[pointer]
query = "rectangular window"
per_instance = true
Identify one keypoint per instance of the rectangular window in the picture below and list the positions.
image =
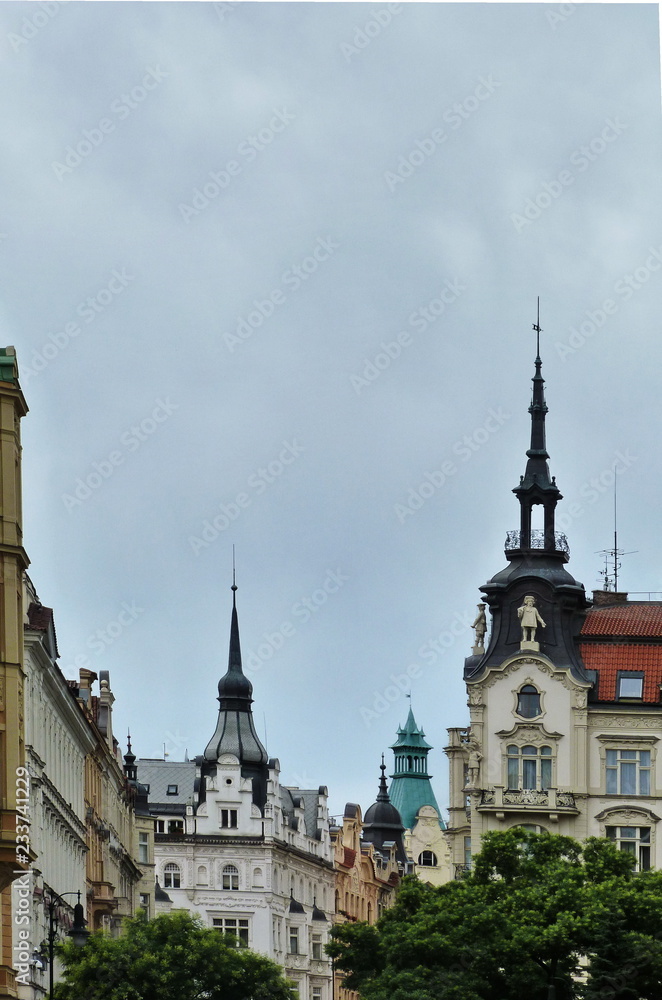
(631, 686)
(628, 772)
(172, 790)
(229, 819)
(233, 925)
(316, 993)
(467, 850)
(144, 903)
(294, 940)
(143, 848)
(317, 947)
(176, 826)
(159, 826)
(634, 840)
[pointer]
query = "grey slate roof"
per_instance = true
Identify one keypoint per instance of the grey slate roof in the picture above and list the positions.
(158, 774)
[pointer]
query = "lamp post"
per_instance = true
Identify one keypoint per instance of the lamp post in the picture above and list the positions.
(78, 933)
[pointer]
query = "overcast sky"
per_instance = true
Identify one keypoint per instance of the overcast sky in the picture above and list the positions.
(268, 269)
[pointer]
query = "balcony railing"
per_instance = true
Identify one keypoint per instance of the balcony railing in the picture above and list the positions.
(550, 800)
(538, 541)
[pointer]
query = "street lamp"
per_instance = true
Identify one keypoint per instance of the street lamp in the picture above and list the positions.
(78, 933)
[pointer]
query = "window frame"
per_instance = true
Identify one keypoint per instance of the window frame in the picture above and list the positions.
(625, 675)
(526, 771)
(617, 766)
(642, 845)
(432, 863)
(241, 927)
(172, 874)
(231, 872)
(533, 691)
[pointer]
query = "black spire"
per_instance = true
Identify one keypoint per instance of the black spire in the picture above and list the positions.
(130, 769)
(382, 822)
(536, 486)
(235, 730)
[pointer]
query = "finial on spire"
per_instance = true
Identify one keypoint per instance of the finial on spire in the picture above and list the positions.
(537, 328)
(128, 740)
(233, 588)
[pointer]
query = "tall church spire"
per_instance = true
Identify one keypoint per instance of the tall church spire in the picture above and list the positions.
(536, 486)
(235, 730)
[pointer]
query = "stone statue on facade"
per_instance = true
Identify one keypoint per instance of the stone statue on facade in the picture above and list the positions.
(480, 626)
(473, 764)
(530, 620)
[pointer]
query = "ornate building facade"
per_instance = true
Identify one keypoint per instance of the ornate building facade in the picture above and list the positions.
(246, 854)
(565, 711)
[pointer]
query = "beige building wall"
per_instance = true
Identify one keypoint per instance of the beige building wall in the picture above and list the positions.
(13, 563)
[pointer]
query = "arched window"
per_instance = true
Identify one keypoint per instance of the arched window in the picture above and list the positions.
(528, 702)
(171, 876)
(202, 875)
(409, 762)
(258, 878)
(230, 877)
(529, 767)
(427, 859)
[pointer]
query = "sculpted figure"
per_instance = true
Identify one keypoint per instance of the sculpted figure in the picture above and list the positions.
(480, 625)
(530, 619)
(473, 766)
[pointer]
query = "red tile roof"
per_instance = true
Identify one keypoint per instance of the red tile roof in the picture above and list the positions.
(609, 658)
(39, 619)
(349, 858)
(625, 619)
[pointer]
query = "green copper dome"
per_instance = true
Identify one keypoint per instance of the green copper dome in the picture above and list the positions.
(410, 784)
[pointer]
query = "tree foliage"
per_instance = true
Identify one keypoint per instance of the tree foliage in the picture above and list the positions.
(540, 917)
(170, 958)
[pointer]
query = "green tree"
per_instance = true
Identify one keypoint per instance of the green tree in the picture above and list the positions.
(170, 958)
(540, 917)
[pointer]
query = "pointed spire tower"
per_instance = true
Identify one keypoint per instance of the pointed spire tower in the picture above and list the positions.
(410, 784)
(536, 574)
(535, 486)
(235, 730)
(382, 822)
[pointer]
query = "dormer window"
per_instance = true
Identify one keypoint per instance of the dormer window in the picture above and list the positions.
(528, 702)
(630, 686)
(172, 790)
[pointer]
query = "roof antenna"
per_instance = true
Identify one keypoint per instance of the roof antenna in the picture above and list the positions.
(613, 554)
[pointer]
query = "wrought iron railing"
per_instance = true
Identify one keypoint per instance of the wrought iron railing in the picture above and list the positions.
(537, 541)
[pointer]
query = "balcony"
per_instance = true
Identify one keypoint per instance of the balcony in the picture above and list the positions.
(551, 802)
(538, 537)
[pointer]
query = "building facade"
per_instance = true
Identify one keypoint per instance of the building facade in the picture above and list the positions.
(246, 854)
(15, 855)
(565, 712)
